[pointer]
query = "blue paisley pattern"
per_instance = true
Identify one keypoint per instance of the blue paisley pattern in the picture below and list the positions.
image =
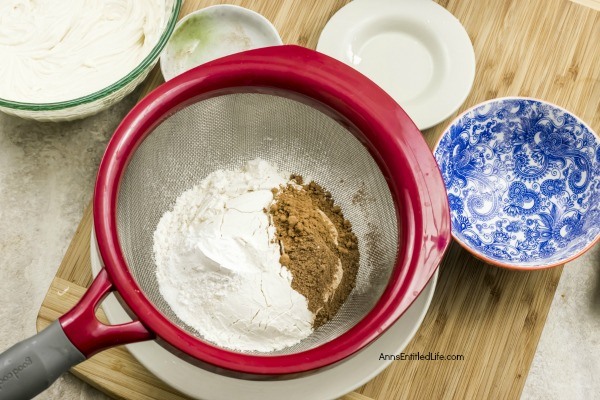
(523, 181)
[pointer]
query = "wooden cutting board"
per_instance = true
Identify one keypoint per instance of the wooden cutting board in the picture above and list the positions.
(541, 48)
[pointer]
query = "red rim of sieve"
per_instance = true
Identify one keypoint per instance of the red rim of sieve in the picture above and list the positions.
(366, 110)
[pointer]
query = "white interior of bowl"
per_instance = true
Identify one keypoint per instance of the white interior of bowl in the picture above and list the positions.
(215, 32)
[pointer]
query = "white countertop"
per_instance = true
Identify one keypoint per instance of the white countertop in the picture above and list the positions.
(47, 173)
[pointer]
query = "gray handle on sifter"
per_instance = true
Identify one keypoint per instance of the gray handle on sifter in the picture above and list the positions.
(31, 366)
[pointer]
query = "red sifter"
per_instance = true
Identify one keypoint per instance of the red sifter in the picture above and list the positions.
(293, 107)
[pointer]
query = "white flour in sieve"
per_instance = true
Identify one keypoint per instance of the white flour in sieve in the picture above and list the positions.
(218, 265)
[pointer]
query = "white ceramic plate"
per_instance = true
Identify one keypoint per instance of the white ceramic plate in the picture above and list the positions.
(215, 32)
(414, 49)
(328, 384)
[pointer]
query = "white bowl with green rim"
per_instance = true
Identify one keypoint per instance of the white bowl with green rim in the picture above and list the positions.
(215, 32)
(93, 103)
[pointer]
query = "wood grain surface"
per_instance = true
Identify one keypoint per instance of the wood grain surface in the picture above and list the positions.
(547, 49)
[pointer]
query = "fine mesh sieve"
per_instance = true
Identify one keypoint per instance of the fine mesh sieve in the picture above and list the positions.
(308, 114)
(225, 132)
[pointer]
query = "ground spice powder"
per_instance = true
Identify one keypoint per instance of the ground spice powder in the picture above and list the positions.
(318, 246)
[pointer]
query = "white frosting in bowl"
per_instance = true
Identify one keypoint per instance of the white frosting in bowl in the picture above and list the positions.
(58, 50)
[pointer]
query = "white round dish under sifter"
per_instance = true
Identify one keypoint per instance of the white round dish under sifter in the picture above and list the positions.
(415, 50)
(326, 384)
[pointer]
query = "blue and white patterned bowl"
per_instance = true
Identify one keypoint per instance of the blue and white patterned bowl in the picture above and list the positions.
(523, 182)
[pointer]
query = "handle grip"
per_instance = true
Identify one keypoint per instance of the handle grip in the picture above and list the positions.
(31, 366)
